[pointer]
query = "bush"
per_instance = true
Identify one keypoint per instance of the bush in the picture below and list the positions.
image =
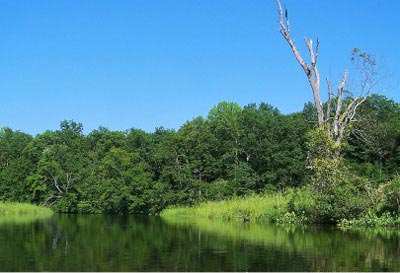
(330, 206)
(390, 200)
(67, 204)
(386, 220)
(302, 202)
(291, 218)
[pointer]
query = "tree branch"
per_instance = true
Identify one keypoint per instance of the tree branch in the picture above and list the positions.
(311, 71)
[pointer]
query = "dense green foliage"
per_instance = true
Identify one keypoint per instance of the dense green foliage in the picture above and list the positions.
(234, 151)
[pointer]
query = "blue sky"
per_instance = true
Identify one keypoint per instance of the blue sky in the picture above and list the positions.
(147, 63)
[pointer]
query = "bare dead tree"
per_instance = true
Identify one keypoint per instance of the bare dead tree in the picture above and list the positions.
(61, 187)
(340, 111)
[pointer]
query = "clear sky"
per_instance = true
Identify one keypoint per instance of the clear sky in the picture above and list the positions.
(148, 63)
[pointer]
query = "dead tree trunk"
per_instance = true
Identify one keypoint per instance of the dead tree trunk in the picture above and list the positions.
(324, 155)
(338, 115)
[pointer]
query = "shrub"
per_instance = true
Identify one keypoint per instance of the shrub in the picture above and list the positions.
(386, 220)
(302, 202)
(390, 199)
(67, 204)
(291, 218)
(339, 202)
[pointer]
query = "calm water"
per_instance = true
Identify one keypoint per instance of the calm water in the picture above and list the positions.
(116, 243)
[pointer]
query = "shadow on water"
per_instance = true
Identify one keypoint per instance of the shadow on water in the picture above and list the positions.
(130, 243)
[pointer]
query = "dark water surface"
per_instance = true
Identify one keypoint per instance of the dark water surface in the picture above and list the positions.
(117, 243)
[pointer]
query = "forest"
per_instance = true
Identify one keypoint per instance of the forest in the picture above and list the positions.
(233, 152)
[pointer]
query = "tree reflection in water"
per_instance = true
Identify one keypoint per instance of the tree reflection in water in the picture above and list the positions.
(117, 243)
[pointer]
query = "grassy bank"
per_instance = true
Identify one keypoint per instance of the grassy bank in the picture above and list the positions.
(266, 208)
(344, 205)
(23, 209)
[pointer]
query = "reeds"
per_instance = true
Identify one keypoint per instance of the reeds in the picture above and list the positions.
(266, 208)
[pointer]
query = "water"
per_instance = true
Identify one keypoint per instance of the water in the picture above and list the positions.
(117, 243)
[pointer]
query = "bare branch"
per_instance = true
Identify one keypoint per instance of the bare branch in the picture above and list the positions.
(363, 136)
(316, 51)
(54, 197)
(338, 122)
(285, 31)
(339, 95)
(311, 51)
(56, 184)
(69, 182)
(328, 107)
(287, 20)
(311, 71)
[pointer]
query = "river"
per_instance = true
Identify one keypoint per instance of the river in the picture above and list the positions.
(132, 243)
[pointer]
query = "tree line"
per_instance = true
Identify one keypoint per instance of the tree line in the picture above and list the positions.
(234, 151)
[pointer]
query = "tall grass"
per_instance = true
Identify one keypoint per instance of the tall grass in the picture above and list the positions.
(266, 208)
(9, 208)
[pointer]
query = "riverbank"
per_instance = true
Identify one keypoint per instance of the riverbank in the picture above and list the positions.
(9, 208)
(260, 209)
(293, 207)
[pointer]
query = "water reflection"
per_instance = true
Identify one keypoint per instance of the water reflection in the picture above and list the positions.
(20, 218)
(116, 243)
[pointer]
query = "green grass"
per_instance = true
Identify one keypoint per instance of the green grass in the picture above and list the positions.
(9, 208)
(266, 208)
